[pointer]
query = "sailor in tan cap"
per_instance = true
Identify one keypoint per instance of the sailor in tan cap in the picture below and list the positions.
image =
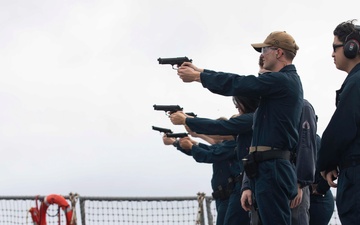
(275, 130)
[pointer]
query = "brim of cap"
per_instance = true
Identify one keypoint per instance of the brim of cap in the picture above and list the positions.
(258, 46)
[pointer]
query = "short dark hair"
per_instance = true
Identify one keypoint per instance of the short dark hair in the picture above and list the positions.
(346, 29)
(250, 104)
(289, 54)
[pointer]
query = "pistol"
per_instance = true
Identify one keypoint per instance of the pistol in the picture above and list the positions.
(162, 130)
(177, 135)
(191, 114)
(172, 109)
(174, 61)
(168, 108)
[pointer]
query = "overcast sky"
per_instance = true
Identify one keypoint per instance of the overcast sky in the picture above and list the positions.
(79, 80)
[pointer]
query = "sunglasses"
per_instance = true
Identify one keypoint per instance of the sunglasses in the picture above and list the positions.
(265, 50)
(337, 46)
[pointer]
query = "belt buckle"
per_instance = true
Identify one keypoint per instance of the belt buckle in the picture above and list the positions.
(260, 148)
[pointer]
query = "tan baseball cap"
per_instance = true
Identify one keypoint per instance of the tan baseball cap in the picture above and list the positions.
(279, 39)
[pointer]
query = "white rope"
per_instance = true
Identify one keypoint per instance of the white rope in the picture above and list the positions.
(200, 198)
(73, 199)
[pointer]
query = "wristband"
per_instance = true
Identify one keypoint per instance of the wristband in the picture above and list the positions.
(175, 144)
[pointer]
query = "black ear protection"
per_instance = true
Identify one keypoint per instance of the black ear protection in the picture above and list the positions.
(352, 46)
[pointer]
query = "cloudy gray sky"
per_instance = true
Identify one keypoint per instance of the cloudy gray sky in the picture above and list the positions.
(79, 79)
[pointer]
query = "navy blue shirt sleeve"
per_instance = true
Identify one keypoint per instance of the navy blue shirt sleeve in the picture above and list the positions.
(341, 138)
(278, 116)
(306, 149)
(215, 153)
(234, 126)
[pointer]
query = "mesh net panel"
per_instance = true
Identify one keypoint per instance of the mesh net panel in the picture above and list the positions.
(139, 211)
(119, 211)
(15, 211)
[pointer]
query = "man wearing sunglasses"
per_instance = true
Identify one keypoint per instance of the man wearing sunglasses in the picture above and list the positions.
(339, 155)
(276, 122)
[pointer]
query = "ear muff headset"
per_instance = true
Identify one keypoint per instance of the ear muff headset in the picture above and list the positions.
(352, 46)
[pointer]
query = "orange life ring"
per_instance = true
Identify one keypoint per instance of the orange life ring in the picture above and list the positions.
(39, 216)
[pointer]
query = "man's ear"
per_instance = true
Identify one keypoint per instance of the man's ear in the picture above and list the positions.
(279, 53)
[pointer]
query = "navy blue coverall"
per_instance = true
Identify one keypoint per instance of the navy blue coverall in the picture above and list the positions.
(322, 201)
(305, 165)
(276, 125)
(305, 162)
(340, 147)
(242, 127)
(223, 159)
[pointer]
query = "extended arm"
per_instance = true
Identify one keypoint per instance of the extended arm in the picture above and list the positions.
(233, 126)
(215, 153)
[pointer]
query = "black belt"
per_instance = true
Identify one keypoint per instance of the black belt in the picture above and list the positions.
(221, 194)
(349, 163)
(225, 192)
(272, 154)
(238, 178)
